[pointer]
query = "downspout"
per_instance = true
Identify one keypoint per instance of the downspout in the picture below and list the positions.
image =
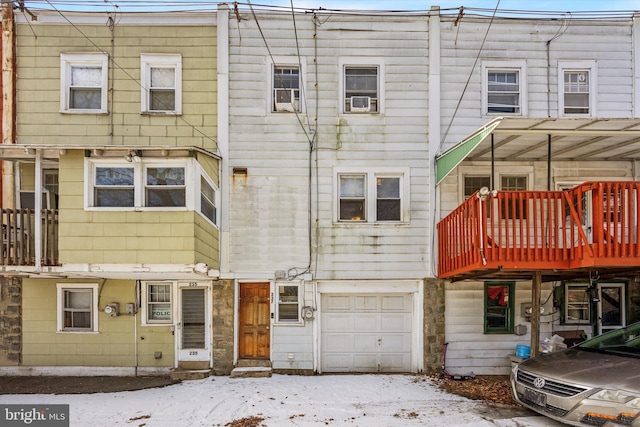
(223, 131)
(37, 204)
(433, 130)
(8, 101)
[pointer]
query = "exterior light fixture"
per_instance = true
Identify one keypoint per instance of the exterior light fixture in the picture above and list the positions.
(132, 156)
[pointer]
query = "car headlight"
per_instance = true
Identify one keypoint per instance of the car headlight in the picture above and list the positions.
(635, 403)
(613, 396)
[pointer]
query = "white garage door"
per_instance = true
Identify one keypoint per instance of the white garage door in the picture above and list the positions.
(366, 333)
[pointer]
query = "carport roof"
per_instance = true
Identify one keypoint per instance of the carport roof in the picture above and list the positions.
(527, 139)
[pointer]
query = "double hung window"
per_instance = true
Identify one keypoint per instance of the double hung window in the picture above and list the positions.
(288, 303)
(286, 88)
(361, 85)
(504, 88)
(150, 184)
(371, 196)
(83, 83)
(161, 84)
(77, 307)
(577, 84)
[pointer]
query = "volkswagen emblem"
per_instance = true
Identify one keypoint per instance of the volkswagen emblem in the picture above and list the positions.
(539, 382)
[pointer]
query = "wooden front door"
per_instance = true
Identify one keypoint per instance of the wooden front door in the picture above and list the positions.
(255, 319)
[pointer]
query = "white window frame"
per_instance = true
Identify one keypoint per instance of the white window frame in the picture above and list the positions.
(139, 182)
(60, 289)
(371, 193)
(277, 302)
(216, 201)
(149, 61)
(69, 60)
(478, 171)
(286, 62)
(585, 302)
(589, 66)
(144, 309)
(357, 62)
(508, 66)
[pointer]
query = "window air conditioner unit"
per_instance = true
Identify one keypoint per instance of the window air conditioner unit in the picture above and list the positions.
(360, 104)
(285, 100)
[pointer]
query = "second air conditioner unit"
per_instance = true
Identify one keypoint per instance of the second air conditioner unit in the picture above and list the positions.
(360, 104)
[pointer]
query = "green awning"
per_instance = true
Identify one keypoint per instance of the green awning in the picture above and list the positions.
(447, 161)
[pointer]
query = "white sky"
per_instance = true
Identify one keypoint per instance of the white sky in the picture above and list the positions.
(538, 5)
(288, 400)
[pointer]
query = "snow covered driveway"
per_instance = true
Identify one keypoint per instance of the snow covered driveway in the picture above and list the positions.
(326, 400)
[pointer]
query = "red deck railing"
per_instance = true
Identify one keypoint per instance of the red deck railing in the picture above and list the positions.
(592, 225)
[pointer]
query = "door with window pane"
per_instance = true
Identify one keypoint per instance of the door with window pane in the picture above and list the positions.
(611, 307)
(194, 324)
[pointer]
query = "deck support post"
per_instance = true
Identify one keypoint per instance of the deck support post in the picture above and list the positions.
(536, 290)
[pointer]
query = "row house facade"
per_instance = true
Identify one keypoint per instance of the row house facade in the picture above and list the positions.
(315, 192)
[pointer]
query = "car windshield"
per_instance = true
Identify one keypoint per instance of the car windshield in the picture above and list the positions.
(621, 341)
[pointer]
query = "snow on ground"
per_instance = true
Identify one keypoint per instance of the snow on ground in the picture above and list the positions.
(283, 400)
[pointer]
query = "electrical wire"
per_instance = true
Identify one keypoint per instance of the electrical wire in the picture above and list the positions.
(114, 62)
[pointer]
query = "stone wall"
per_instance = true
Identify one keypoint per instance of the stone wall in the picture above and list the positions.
(433, 325)
(10, 321)
(223, 292)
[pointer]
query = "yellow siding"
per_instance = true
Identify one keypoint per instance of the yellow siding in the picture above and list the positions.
(167, 237)
(114, 345)
(38, 85)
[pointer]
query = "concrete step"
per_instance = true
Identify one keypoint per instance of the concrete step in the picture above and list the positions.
(180, 374)
(253, 363)
(252, 372)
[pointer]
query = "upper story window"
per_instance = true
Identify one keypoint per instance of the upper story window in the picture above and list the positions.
(373, 196)
(577, 89)
(286, 88)
(161, 84)
(165, 186)
(208, 199)
(150, 184)
(504, 85)
(362, 85)
(83, 83)
(77, 307)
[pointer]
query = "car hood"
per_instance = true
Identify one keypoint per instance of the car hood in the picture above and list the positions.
(588, 368)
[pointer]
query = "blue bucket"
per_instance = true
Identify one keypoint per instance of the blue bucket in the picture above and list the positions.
(523, 351)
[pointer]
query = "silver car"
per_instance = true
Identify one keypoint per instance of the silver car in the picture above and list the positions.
(596, 383)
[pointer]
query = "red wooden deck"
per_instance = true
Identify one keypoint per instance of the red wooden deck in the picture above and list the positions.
(563, 234)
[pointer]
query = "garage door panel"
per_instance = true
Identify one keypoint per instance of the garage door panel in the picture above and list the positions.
(394, 362)
(366, 333)
(395, 322)
(365, 362)
(337, 322)
(366, 302)
(365, 343)
(395, 343)
(364, 322)
(395, 302)
(336, 302)
(338, 343)
(338, 362)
